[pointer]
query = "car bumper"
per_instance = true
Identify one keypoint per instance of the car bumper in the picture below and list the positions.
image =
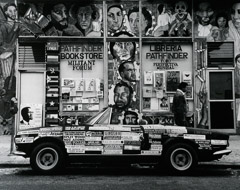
(19, 153)
(222, 152)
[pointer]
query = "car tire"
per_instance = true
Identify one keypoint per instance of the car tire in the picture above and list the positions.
(47, 158)
(180, 158)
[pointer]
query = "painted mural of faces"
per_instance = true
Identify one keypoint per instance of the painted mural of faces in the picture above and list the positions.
(134, 22)
(182, 22)
(11, 12)
(130, 118)
(215, 34)
(237, 61)
(204, 13)
(59, 15)
(122, 96)
(144, 25)
(114, 18)
(146, 21)
(235, 15)
(221, 22)
(123, 50)
(127, 71)
(181, 8)
(84, 17)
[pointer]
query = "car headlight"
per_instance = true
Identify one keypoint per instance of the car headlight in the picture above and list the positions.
(219, 142)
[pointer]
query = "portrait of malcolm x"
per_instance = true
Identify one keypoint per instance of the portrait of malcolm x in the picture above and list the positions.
(26, 114)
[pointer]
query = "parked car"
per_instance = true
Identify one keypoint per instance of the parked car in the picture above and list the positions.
(97, 141)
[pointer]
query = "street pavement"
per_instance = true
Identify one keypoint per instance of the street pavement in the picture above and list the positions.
(11, 160)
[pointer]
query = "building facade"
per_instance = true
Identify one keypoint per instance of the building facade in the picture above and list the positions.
(61, 62)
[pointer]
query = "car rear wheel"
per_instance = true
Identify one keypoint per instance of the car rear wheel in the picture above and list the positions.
(47, 158)
(180, 158)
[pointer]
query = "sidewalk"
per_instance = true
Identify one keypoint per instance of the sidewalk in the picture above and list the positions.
(7, 159)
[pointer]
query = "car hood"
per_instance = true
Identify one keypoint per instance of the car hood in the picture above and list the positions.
(208, 133)
(40, 129)
(191, 133)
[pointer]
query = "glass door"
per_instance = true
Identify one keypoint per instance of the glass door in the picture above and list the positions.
(221, 100)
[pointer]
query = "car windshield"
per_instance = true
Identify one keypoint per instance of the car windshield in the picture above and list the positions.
(94, 118)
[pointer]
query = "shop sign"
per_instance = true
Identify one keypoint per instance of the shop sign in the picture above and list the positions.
(166, 55)
(81, 57)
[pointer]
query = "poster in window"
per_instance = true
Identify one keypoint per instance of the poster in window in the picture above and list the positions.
(189, 92)
(89, 84)
(67, 82)
(164, 104)
(187, 77)
(173, 80)
(147, 91)
(159, 79)
(31, 116)
(65, 93)
(148, 77)
(154, 104)
(146, 103)
(80, 85)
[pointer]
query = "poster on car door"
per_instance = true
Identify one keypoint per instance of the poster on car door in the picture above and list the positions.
(30, 116)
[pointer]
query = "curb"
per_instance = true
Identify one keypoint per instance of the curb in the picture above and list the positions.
(13, 165)
(221, 164)
(235, 165)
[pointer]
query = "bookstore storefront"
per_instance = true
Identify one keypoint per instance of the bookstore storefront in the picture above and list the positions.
(73, 59)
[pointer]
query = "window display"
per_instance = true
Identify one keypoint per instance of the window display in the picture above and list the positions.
(166, 65)
(81, 78)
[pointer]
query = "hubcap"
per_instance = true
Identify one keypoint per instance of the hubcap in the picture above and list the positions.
(181, 159)
(47, 158)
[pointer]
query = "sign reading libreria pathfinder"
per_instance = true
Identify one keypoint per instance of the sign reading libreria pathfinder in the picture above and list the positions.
(81, 57)
(167, 56)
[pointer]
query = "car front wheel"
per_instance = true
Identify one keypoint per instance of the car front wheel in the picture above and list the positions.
(180, 158)
(47, 158)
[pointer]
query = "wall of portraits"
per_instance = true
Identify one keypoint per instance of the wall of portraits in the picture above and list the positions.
(123, 76)
(62, 19)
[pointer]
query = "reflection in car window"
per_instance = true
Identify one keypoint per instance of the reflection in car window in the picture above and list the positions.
(93, 119)
(105, 119)
(102, 117)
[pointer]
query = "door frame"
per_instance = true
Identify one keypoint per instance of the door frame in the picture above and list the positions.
(19, 82)
(232, 131)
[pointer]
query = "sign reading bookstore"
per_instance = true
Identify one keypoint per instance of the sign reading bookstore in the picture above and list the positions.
(81, 56)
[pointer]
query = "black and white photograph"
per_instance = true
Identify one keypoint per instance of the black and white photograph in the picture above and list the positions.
(120, 94)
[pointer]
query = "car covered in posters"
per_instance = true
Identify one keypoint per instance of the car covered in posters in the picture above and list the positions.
(98, 141)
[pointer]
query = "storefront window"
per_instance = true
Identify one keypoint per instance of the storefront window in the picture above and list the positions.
(165, 66)
(81, 75)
